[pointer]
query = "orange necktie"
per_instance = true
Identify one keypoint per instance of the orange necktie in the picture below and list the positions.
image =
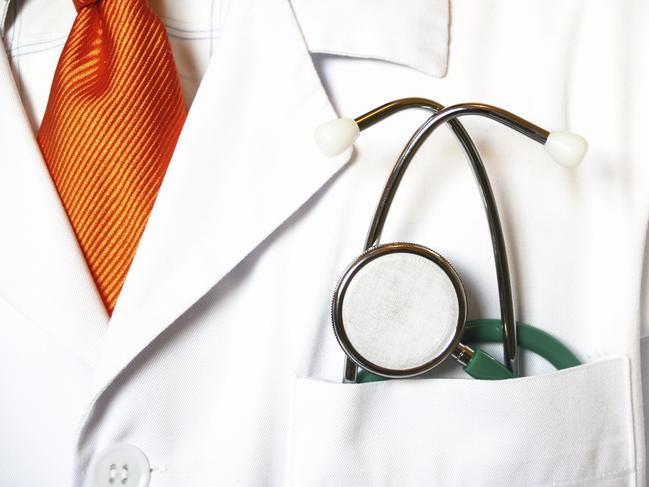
(112, 121)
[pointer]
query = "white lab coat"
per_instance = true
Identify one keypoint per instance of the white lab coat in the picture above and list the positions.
(219, 362)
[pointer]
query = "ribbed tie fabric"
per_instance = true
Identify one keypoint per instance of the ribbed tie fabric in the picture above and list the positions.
(112, 121)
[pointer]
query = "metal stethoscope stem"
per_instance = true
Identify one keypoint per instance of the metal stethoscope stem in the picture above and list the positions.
(449, 115)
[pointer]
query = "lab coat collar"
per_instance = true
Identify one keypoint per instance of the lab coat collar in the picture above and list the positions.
(245, 161)
(414, 33)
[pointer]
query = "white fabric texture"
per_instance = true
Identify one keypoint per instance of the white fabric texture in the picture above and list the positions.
(582, 413)
(400, 311)
(228, 299)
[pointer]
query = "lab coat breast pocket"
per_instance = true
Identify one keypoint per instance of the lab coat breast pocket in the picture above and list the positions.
(568, 428)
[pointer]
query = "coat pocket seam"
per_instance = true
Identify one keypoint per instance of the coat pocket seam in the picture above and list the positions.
(606, 475)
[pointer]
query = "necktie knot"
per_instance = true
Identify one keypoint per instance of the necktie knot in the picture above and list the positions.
(79, 4)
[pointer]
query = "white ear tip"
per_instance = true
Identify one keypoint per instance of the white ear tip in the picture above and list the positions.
(567, 149)
(335, 136)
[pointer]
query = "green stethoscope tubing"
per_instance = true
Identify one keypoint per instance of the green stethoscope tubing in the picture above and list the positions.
(484, 366)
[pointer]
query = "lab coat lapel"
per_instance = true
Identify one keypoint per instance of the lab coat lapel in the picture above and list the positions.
(246, 160)
(43, 274)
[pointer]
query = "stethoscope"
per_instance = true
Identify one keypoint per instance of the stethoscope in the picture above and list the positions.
(399, 309)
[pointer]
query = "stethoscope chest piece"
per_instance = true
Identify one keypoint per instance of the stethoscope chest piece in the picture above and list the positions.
(399, 310)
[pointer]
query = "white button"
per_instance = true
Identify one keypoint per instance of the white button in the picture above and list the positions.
(120, 465)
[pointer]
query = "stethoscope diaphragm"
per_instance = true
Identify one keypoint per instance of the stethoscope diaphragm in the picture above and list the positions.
(399, 310)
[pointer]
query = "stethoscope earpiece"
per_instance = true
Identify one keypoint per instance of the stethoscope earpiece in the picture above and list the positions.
(567, 149)
(336, 135)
